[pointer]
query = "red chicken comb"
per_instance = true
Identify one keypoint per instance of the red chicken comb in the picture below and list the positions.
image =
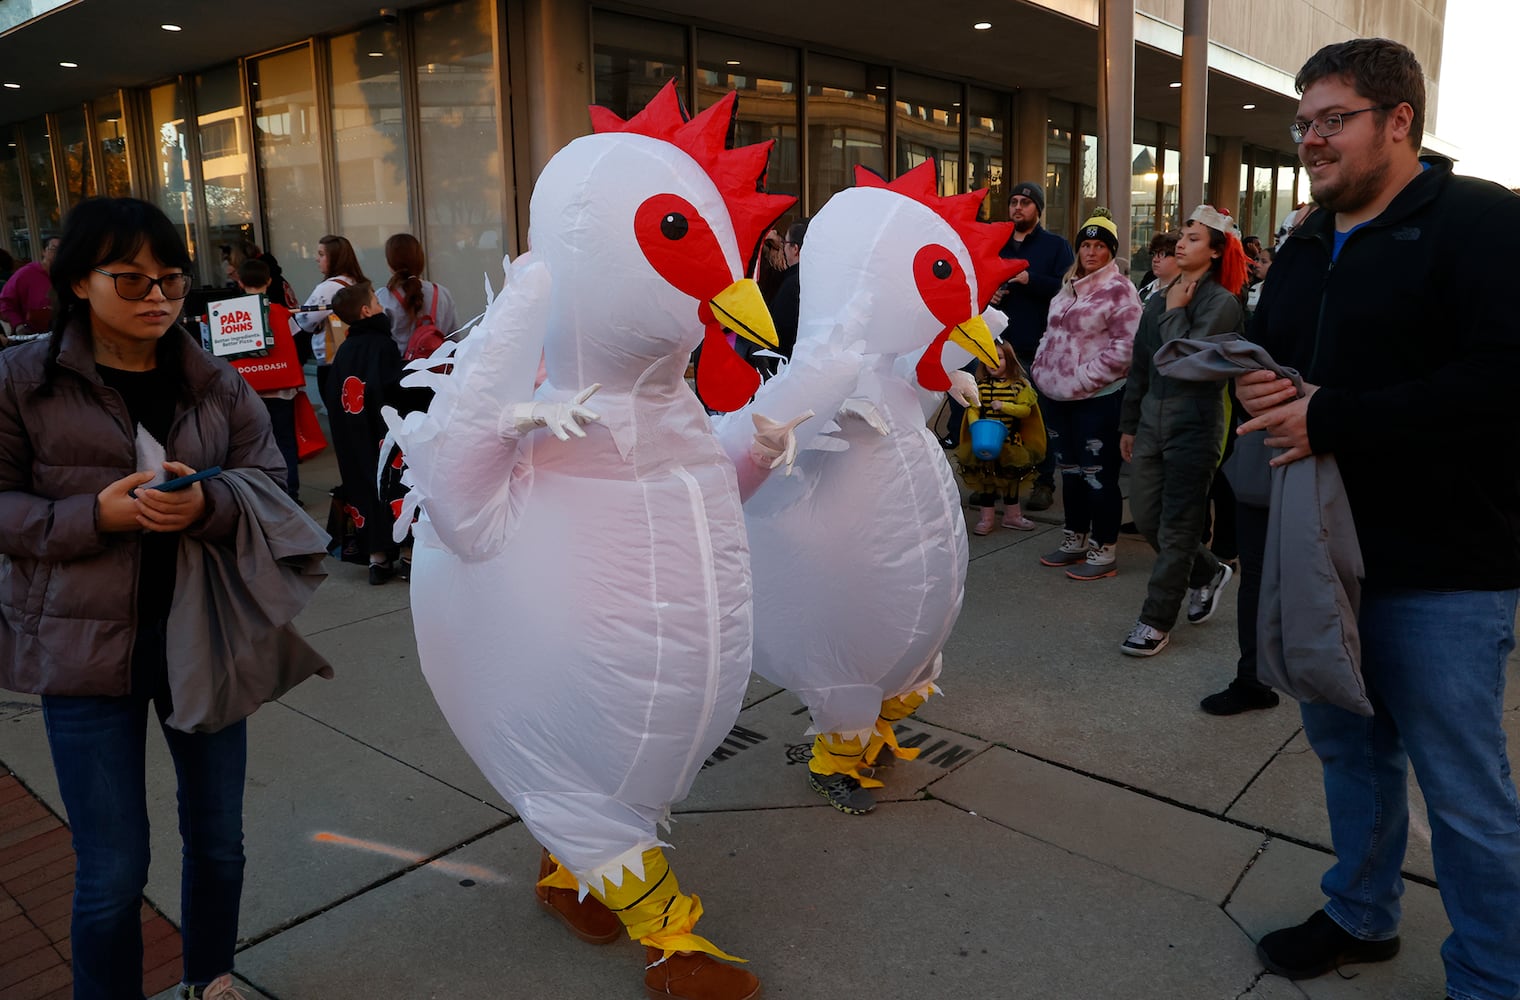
(983, 239)
(738, 173)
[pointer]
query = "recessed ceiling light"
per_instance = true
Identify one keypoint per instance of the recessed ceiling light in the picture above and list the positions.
(171, 27)
(113, 120)
(879, 86)
(955, 104)
(733, 62)
(376, 55)
(1248, 107)
(69, 65)
(1175, 84)
(982, 25)
(13, 86)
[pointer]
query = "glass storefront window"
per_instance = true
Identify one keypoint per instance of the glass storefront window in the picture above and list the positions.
(1171, 166)
(171, 164)
(1060, 179)
(1286, 176)
(847, 124)
(986, 133)
(39, 162)
(1090, 166)
(369, 141)
(74, 140)
(460, 152)
(1145, 173)
(12, 202)
(765, 76)
(290, 161)
(634, 57)
(226, 163)
(1242, 210)
(1262, 222)
(111, 131)
(929, 127)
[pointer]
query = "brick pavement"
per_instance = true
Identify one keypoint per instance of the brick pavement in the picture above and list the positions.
(36, 892)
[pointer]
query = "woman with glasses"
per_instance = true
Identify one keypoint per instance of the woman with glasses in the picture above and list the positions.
(117, 397)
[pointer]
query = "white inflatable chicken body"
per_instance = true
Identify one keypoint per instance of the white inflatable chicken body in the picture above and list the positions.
(859, 557)
(582, 595)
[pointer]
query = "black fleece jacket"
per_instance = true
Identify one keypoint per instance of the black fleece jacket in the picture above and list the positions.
(1027, 306)
(1415, 345)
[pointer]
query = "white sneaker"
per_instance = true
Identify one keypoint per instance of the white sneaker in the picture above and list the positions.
(1204, 601)
(1072, 551)
(1143, 641)
(1101, 561)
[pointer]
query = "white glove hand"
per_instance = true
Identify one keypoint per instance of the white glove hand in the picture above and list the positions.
(562, 419)
(776, 443)
(963, 388)
(864, 409)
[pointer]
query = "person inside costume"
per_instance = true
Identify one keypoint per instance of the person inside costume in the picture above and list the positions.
(127, 579)
(855, 620)
(1172, 431)
(583, 603)
(1005, 396)
(366, 368)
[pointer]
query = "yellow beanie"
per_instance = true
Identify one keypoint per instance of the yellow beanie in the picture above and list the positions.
(1100, 227)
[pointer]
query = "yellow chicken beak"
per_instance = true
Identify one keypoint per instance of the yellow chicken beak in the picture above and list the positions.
(740, 308)
(974, 336)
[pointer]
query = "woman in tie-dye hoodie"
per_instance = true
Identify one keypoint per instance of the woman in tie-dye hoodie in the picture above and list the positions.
(1080, 369)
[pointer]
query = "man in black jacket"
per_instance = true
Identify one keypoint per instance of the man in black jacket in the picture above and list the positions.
(1390, 301)
(1025, 299)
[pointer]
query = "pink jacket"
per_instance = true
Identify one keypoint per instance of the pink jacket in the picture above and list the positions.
(1090, 337)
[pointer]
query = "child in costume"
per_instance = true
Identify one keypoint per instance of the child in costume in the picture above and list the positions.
(365, 368)
(1007, 397)
(1172, 432)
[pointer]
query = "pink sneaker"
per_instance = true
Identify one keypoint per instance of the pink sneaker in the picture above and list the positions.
(987, 521)
(1014, 518)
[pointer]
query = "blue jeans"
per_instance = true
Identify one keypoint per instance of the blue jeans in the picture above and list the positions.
(1434, 663)
(98, 747)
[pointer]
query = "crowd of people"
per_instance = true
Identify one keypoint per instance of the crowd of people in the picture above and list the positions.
(1345, 373)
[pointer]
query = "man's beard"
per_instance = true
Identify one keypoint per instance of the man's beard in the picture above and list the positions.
(1355, 189)
(1025, 228)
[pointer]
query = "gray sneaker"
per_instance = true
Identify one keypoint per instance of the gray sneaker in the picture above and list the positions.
(843, 792)
(1204, 601)
(1143, 641)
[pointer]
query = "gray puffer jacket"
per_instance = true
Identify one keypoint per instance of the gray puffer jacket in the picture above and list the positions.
(68, 592)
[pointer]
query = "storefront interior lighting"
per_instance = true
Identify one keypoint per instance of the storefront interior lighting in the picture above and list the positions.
(376, 55)
(732, 62)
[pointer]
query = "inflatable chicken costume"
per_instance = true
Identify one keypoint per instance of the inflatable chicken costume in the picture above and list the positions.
(859, 557)
(581, 581)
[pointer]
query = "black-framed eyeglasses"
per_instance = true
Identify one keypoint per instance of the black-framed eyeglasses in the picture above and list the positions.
(134, 287)
(1327, 125)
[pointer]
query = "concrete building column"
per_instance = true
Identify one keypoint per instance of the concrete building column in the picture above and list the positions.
(1195, 100)
(558, 51)
(1116, 114)
(1224, 183)
(1031, 134)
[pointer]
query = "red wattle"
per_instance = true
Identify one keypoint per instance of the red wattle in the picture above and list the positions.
(931, 370)
(724, 381)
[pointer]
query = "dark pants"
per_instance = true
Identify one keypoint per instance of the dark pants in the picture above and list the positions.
(99, 756)
(1251, 535)
(1171, 470)
(282, 418)
(1045, 472)
(1084, 436)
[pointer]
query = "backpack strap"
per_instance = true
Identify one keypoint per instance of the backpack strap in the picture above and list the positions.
(432, 313)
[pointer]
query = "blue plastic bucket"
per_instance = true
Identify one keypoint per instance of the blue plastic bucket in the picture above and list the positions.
(987, 437)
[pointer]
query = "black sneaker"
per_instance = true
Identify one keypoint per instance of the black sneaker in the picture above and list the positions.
(1143, 641)
(1204, 601)
(1317, 946)
(379, 573)
(843, 792)
(1239, 698)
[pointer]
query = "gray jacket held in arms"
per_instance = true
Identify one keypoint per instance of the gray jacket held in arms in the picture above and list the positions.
(68, 591)
(1307, 642)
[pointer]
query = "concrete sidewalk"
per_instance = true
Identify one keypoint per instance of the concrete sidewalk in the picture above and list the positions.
(1075, 827)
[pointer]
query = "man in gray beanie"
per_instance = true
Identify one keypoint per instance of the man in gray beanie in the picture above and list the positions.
(1025, 299)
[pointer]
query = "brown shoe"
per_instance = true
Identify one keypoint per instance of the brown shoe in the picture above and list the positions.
(697, 976)
(587, 918)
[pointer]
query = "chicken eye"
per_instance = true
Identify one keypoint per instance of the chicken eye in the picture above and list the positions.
(674, 226)
(942, 269)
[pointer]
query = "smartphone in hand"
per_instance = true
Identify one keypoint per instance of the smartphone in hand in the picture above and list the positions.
(183, 481)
